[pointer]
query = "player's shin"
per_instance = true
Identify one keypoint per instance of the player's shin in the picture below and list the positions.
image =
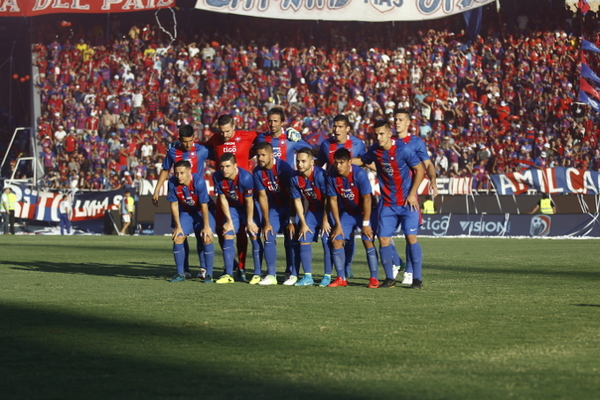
(373, 262)
(306, 257)
(416, 256)
(271, 254)
(387, 255)
(228, 255)
(179, 255)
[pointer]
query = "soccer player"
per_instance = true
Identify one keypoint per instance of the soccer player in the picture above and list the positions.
(285, 142)
(309, 183)
(399, 204)
(234, 188)
(271, 181)
(350, 200)
(402, 123)
(341, 138)
(189, 208)
(196, 154)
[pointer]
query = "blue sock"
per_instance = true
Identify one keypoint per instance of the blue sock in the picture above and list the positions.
(416, 255)
(228, 255)
(373, 262)
(186, 261)
(327, 256)
(257, 253)
(409, 263)
(306, 257)
(387, 255)
(397, 261)
(271, 254)
(339, 260)
(208, 260)
(349, 250)
(179, 254)
(292, 257)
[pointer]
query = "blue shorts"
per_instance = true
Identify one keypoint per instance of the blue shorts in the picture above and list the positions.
(351, 223)
(278, 217)
(313, 220)
(195, 222)
(391, 217)
(239, 219)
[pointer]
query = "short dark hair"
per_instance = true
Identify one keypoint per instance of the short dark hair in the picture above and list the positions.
(403, 111)
(277, 111)
(342, 154)
(342, 118)
(306, 150)
(225, 119)
(182, 163)
(382, 122)
(264, 146)
(227, 157)
(186, 131)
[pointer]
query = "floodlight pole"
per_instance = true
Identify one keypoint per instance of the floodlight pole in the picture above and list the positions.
(9, 146)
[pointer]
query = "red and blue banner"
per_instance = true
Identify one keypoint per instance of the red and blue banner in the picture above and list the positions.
(30, 8)
(559, 180)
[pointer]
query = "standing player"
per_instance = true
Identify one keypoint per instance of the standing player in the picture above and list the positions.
(417, 145)
(196, 154)
(65, 214)
(350, 199)
(189, 208)
(234, 187)
(309, 183)
(285, 142)
(341, 138)
(271, 177)
(399, 203)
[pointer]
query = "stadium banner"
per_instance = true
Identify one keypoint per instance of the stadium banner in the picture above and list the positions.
(31, 8)
(559, 180)
(343, 10)
(43, 205)
(509, 225)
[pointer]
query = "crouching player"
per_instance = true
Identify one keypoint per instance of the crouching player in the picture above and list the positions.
(234, 187)
(350, 201)
(189, 207)
(309, 183)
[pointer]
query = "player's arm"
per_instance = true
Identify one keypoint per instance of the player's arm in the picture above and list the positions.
(263, 201)
(413, 200)
(207, 233)
(228, 225)
(367, 230)
(250, 224)
(431, 174)
(304, 229)
(176, 221)
(335, 212)
(358, 161)
(162, 177)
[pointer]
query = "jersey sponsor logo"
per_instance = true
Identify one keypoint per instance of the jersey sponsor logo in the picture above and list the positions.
(230, 149)
(233, 195)
(277, 152)
(347, 194)
(273, 186)
(387, 168)
(309, 193)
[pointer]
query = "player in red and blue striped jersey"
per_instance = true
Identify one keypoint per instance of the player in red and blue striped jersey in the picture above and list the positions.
(341, 138)
(416, 144)
(400, 173)
(271, 182)
(351, 202)
(309, 183)
(196, 154)
(234, 187)
(189, 208)
(285, 142)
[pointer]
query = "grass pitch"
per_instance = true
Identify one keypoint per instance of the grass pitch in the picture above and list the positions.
(94, 317)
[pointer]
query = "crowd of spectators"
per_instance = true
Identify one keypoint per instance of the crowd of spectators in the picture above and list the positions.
(496, 104)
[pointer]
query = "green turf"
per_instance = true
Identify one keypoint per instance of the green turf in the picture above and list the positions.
(93, 317)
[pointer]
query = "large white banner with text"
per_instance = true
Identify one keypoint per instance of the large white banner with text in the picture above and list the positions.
(343, 10)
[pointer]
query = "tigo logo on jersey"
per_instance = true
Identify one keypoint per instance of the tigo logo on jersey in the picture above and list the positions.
(540, 225)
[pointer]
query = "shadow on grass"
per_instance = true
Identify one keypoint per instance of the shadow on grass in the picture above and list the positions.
(49, 354)
(139, 270)
(558, 272)
(587, 305)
